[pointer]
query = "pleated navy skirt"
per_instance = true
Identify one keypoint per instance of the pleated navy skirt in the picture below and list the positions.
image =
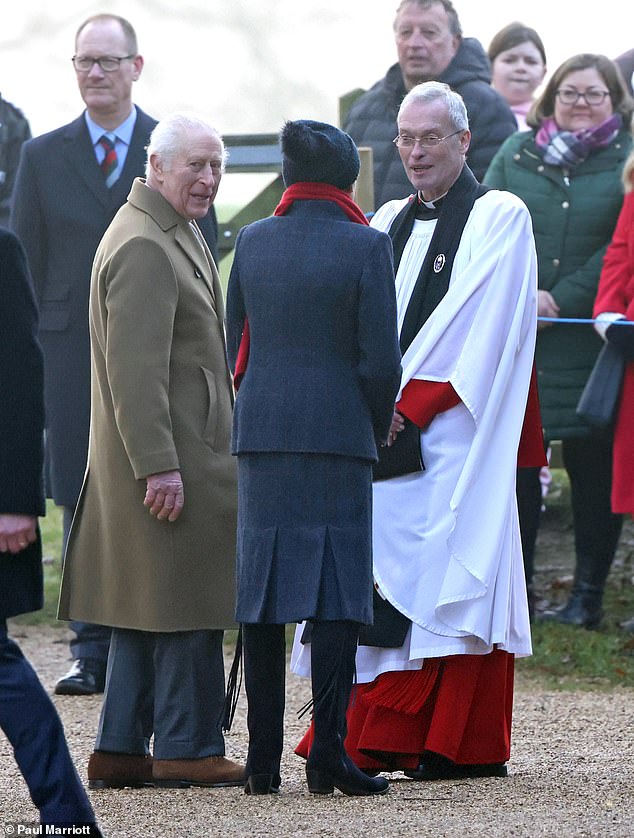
(304, 538)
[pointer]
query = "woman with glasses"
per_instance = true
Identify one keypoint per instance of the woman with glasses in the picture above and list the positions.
(567, 170)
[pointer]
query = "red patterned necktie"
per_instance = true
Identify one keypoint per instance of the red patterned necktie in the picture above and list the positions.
(109, 164)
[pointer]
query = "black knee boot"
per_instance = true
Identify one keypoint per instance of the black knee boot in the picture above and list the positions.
(597, 529)
(333, 650)
(584, 606)
(264, 678)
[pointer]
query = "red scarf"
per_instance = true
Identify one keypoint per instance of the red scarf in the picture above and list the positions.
(309, 191)
(320, 192)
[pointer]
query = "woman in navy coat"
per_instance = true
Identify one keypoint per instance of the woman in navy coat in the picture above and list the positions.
(37, 736)
(317, 293)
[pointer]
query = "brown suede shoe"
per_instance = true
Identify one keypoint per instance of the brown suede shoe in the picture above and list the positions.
(118, 771)
(212, 772)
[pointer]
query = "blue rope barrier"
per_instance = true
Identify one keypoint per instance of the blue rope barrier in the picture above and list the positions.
(583, 320)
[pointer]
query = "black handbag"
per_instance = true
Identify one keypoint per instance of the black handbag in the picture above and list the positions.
(600, 397)
(389, 628)
(388, 631)
(402, 457)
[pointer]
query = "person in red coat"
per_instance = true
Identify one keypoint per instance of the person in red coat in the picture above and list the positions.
(615, 301)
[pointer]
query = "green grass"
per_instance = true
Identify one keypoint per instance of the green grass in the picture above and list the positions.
(563, 657)
(51, 528)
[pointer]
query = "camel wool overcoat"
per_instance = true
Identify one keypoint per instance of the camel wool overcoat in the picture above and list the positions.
(161, 400)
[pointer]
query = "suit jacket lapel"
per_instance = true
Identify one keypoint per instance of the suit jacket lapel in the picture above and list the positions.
(134, 165)
(80, 157)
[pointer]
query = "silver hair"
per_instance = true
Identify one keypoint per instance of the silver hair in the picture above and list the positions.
(429, 91)
(166, 140)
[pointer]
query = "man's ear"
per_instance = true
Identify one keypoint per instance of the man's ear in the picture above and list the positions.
(156, 166)
(138, 67)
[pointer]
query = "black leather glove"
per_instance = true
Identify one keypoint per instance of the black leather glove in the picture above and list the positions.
(623, 338)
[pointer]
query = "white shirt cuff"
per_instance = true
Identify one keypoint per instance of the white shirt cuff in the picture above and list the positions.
(605, 319)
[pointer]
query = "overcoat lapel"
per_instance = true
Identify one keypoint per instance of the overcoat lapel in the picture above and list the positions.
(193, 244)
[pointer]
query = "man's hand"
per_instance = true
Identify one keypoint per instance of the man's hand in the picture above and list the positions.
(164, 495)
(546, 307)
(17, 532)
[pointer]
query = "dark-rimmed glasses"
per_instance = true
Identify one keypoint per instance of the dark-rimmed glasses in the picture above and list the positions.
(107, 63)
(570, 96)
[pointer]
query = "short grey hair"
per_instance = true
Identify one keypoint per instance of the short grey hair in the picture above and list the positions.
(166, 140)
(429, 91)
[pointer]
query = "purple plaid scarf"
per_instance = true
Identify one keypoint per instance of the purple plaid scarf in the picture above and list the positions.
(568, 149)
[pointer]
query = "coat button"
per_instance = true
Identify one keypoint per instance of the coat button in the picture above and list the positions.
(556, 262)
(540, 168)
(516, 156)
(565, 205)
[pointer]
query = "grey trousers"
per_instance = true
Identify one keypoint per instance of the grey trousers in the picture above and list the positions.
(169, 685)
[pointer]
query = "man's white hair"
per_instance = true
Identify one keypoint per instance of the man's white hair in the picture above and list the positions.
(429, 91)
(169, 135)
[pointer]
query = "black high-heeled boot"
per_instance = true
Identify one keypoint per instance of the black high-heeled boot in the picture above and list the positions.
(333, 650)
(264, 678)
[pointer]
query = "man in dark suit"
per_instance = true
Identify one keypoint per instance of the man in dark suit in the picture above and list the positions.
(37, 736)
(70, 184)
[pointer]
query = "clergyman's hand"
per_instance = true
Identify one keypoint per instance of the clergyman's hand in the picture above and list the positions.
(164, 496)
(398, 423)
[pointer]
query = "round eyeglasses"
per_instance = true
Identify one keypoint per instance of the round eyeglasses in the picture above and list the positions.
(107, 63)
(569, 96)
(429, 141)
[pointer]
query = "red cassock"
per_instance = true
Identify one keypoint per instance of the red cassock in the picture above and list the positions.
(459, 706)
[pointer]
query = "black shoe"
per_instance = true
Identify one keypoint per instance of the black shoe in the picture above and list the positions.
(87, 676)
(262, 784)
(578, 611)
(343, 775)
(437, 767)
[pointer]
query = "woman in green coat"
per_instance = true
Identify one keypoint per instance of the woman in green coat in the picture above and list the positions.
(567, 170)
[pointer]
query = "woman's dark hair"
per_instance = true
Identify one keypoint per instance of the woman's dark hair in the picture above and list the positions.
(621, 100)
(512, 36)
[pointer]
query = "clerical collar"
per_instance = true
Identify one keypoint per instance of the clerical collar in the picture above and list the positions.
(428, 210)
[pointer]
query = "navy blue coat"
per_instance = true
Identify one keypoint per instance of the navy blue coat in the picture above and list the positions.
(324, 366)
(61, 209)
(21, 426)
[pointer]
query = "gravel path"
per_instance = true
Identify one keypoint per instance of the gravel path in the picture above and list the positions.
(571, 774)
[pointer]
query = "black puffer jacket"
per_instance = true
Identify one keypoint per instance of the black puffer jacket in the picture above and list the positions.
(372, 119)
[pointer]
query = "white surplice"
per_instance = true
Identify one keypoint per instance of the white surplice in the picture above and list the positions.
(446, 542)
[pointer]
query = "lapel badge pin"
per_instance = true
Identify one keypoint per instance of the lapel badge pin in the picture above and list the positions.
(439, 263)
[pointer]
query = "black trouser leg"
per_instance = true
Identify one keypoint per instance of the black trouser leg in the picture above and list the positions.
(529, 504)
(264, 677)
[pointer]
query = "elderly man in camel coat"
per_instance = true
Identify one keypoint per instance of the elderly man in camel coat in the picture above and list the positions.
(151, 549)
